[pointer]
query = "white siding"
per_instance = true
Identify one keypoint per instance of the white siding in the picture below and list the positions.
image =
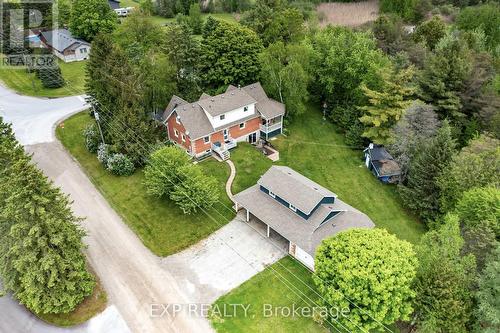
(304, 257)
(231, 116)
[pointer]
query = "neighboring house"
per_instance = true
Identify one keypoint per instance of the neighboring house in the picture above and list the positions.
(300, 210)
(119, 10)
(217, 123)
(64, 45)
(382, 164)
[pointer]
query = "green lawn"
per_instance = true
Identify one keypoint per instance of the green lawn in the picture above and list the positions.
(316, 150)
(27, 84)
(220, 16)
(161, 226)
(271, 286)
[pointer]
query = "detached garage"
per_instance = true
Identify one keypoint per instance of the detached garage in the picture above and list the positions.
(300, 210)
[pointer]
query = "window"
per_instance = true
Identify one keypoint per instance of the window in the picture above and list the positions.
(177, 120)
(176, 133)
(183, 138)
(242, 125)
(206, 139)
(272, 194)
(222, 117)
(245, 109)
(292, 207)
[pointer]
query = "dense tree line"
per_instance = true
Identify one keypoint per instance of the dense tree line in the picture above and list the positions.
(42, 262)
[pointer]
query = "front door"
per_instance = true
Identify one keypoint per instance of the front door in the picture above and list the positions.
(226, 134)
(252, 138)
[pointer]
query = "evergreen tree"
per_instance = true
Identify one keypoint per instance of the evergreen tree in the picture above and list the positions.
(184, 52)
(488, 303)
(430, 32)
(195, 20)
(419, 123)
(41, 259)
(51, 76)
(421, 193)
(386, 106)
(444, 280)
(443, 77)
(476, 165)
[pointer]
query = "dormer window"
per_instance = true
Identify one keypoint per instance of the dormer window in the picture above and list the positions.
(222, 117)
(272, 194)
(292, 207)
(245, 109)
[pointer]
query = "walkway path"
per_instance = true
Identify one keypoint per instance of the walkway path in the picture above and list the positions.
(230, 180)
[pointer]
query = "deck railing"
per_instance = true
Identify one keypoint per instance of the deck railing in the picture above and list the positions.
(267, 129)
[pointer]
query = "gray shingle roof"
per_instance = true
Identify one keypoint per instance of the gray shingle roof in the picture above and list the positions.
(61, 39)
(294, 188)
(270, 108)
(307, 234)
(195, 119)
(234, 99)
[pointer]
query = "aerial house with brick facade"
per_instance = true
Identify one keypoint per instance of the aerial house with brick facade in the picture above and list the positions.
(215, 124)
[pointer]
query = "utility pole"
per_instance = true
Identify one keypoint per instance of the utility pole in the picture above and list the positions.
(96, 115)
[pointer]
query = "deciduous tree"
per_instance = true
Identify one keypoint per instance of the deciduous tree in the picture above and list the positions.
(386, 105)
(91, 17)
(229, 55)
(369, 272)
(285, 74)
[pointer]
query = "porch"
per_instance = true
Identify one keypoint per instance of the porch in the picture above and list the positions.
(271, 127)
(221, 149)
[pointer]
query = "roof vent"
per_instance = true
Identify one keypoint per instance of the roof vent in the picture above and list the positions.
(213, 100)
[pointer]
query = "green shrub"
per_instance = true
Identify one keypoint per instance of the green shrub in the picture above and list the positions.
(91, 135)
(103, 153)
(120, 165)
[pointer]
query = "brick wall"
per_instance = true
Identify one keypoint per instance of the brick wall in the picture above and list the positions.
(171, 125)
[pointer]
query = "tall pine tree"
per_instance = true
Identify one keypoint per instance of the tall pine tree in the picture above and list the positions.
(41, 259)
(421, 193)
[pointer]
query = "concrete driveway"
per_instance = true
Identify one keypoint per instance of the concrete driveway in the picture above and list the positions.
(223, 261)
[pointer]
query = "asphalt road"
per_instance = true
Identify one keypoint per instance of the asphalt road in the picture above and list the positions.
(33, 118)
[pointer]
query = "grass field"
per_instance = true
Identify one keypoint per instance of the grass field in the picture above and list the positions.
(281, 284)
(316, 150)
(159, 223)
(25, 83)
(350, 14)
(90, 307)
(220, 16)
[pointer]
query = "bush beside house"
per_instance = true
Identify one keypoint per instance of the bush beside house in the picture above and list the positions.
(169, 172)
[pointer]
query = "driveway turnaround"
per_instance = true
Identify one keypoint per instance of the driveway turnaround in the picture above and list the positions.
(224, 260)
